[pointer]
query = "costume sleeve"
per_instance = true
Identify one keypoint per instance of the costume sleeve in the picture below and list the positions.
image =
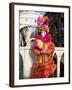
(37, 46)
(51, 47)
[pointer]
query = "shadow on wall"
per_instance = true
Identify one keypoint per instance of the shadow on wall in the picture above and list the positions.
(20, 67)
(61, 65)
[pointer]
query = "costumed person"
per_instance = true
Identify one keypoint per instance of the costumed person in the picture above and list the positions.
(43, 49)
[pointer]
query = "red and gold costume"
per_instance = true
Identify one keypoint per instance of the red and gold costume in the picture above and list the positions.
(43, 48)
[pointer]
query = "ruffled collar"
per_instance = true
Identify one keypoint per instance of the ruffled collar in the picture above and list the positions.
(46, 39)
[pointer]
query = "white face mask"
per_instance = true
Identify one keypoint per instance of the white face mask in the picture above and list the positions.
(43, 33)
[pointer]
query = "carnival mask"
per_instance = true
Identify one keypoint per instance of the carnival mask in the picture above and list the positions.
(43, 33)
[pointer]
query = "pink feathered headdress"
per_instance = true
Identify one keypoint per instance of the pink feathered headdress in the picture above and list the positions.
(42, 23)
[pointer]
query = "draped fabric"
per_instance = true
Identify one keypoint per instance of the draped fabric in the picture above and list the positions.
(43, 48)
